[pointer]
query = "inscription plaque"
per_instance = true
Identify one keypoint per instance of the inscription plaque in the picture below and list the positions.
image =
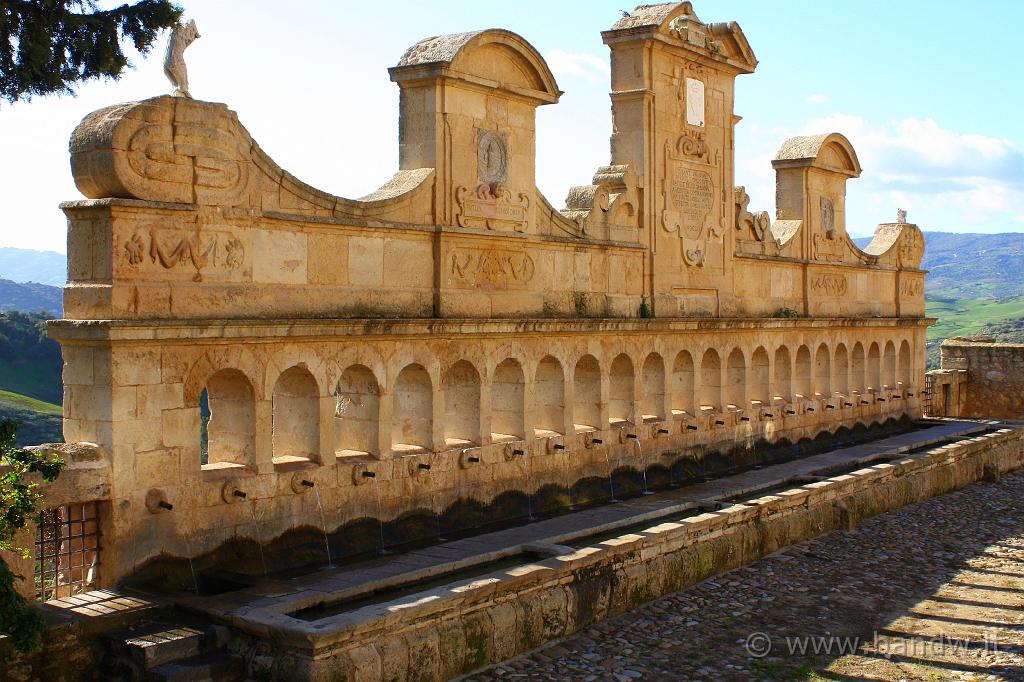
(694, 102)
(692, 193)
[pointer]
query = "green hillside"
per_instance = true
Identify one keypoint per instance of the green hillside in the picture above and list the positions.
(38, 421)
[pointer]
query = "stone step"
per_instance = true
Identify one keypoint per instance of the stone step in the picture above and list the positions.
(152, 644)
(210, 667)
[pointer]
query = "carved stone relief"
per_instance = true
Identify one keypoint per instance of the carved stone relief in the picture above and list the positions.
(491, 207)
(751, 225)
(829, 284)
(201, 252)
(689, 194)
(491, 266)
(491, 156)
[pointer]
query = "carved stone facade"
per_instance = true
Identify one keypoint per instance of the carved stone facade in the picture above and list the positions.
(454, 317)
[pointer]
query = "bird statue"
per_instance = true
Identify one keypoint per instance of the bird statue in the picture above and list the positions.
(182, 36)
(625, 14)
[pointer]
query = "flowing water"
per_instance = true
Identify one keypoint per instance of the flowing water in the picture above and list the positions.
(643, 469)
(611, 483)
(259, 540)
(191, 565)
(380, 519)
(529, 495)
(323, 525)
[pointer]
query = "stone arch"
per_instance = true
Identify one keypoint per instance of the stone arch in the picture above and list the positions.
(549, 397)
(760, 381)
(652, 397)
(621, 389)
(461, 405)
(295, 416)
(412, 414)
(507, 401)
(783, 374)
(356, 412)
(803, 385)
(230, 431)
(710, 388)
(822, 372)
(874, 367)
(858, 368)
(682, 383)
(236, 358)
(586, 408)
(736, 379)
(841, 371)
(889, 365)
(905, 365)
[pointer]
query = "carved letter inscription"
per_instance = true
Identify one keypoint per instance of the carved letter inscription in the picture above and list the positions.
(692, 193)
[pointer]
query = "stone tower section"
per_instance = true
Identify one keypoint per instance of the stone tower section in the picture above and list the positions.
(672, 101)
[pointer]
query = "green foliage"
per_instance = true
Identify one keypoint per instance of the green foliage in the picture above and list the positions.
(785, 312)
(579, 300)
(645, 309)
(47, 46)
(19, 501)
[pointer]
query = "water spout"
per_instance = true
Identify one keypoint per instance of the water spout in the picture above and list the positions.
(691, 427)
(164, 504)
(558, 446)
(632, 436)
(597, 441)
(424, 466)
(744, 419)
(810, 409)
(518, 453)
(719, 422)
(239, 494)
(472, 459)
(663, 431)
(369, 474)
(308, 484)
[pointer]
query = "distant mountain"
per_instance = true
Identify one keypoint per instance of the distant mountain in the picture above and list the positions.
(30, 298)
(28, 265)
(971, 265)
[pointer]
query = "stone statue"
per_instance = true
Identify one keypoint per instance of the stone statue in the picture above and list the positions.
(901, 216)
(174, 61)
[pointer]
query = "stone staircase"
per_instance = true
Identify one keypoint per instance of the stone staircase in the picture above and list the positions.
(171, 650)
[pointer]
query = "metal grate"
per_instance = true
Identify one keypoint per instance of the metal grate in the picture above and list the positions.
(67, 550)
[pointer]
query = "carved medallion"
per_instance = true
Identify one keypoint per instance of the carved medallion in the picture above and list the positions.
(491, 156)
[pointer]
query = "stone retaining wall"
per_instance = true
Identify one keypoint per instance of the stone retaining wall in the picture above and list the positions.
(441, 634)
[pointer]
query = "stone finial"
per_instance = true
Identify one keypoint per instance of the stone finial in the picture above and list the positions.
(182, 36)
(901, 216)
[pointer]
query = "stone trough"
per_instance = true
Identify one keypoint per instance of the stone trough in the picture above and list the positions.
(444, 610)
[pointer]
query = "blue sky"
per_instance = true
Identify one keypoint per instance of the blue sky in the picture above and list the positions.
(923, 89)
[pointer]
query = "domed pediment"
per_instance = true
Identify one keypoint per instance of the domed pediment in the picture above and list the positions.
(493, 57)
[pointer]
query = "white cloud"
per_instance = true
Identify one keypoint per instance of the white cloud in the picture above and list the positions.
(818, 99)
(947, 179)
(578, 65)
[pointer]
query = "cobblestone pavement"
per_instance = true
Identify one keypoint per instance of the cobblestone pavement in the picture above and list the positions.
(933, 591)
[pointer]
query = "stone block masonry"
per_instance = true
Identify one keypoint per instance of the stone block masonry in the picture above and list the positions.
(234, 335)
